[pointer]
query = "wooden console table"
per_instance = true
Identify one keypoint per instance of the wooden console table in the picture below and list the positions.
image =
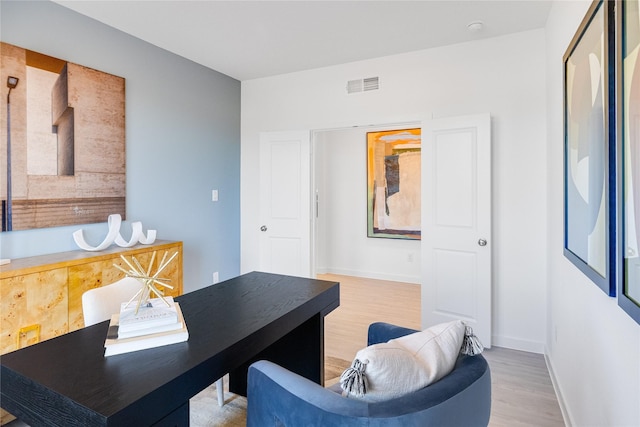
(41, 296)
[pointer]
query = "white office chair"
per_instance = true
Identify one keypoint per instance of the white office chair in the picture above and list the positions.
(99, 304)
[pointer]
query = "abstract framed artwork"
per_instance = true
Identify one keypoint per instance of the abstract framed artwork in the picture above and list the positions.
(393, 184)
(63, 142)
(589, 148)
(628, 107)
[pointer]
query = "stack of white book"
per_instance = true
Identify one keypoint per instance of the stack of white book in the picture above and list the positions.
(153, 325)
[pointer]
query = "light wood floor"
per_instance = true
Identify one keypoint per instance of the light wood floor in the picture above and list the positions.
(522, 393)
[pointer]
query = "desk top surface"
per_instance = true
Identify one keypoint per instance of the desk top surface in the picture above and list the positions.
(227, 322)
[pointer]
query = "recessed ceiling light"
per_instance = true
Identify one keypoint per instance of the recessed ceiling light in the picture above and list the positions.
(475, 26)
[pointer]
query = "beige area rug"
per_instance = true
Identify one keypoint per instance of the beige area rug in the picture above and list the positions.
(205, 412)
(333, 368)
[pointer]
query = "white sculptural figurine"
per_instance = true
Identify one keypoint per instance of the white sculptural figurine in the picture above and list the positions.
(113, 236)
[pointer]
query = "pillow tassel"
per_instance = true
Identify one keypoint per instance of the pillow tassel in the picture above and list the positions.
(471, 344)
(353, 380)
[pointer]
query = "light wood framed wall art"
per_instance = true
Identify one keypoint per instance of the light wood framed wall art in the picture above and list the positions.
(393, 184)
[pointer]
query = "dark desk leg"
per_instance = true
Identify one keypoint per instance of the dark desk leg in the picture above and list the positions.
(178, 418)
(300, 351)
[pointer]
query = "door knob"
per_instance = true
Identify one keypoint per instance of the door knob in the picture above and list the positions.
(482, 242)
(263, 228)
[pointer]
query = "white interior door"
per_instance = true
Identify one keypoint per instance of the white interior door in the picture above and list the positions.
(456, 222)
(285, 221)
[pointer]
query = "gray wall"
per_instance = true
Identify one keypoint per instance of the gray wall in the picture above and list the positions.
(182, 140)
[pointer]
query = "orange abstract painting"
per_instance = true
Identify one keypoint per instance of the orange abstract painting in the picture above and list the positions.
(393, 184)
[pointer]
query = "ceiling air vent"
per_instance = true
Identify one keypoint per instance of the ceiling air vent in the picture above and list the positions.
(363, 85)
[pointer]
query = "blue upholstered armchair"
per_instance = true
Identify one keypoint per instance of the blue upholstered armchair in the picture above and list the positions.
(278, 397)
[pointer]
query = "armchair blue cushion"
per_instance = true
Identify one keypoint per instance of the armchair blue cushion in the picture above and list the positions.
(278, 397)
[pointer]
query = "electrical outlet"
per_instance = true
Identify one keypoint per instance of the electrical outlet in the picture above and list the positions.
(214, 195)
(410, 257)
(216, 277)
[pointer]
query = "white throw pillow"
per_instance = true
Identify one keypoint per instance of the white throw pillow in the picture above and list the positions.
(403, 365)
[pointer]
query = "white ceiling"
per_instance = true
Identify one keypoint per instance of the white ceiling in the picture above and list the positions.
(253, 39)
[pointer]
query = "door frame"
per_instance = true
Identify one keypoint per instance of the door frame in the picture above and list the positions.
(417, 120)
(399, 124)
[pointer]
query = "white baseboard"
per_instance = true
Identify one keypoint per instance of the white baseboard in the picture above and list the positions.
(370, 275)
(556, 387)
(518, 344)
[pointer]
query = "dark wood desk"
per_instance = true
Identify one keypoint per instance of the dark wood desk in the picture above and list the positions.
(67, 381)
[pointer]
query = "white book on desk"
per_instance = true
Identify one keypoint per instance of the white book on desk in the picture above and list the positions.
(116, 333)
(115, 346)
(156, 313)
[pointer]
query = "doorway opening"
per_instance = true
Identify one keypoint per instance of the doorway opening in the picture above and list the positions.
(339, 196)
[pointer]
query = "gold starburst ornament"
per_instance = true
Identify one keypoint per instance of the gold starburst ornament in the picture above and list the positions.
(149, 282)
